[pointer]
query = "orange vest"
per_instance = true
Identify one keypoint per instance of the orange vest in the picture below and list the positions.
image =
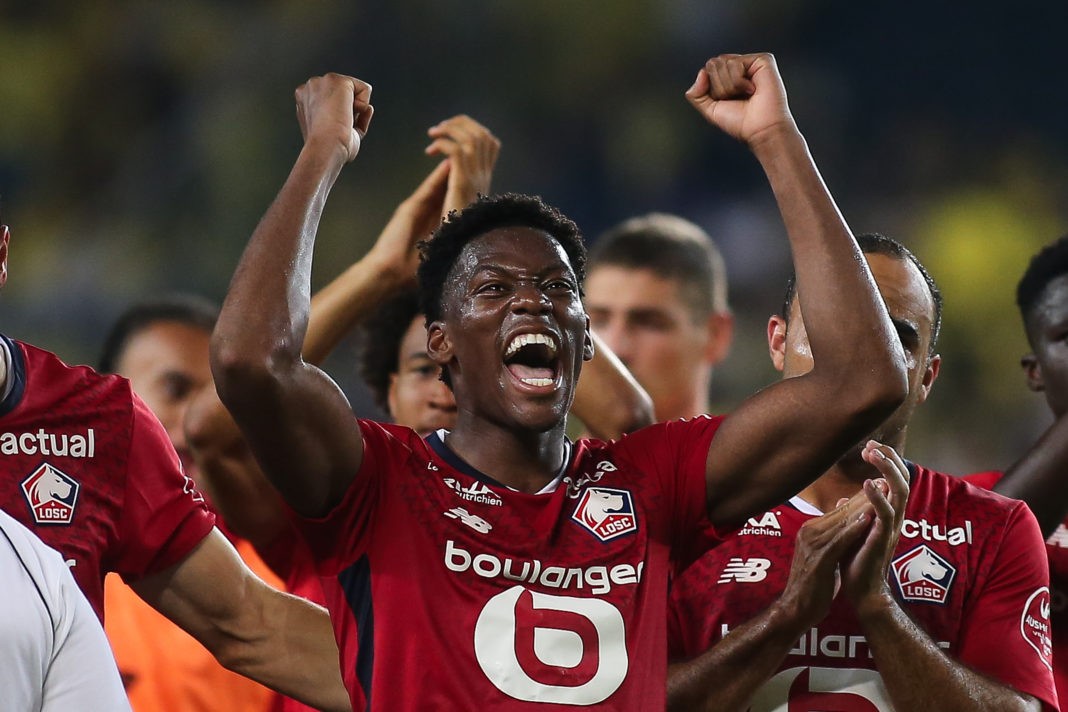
(164, 668)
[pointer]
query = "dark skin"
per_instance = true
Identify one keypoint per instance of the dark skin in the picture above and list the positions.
(299, 424)
(841, 548)
(1038, 477)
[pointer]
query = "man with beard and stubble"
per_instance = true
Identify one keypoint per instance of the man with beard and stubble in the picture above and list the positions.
(938, 618)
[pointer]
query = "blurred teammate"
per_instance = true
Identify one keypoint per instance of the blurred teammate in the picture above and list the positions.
(473, 539)
(162, 347)
(657, 294)
(1038, 478)
(89, 469)
(53, 654)
(953, 615)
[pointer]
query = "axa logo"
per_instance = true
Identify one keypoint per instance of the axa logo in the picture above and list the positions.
(766, 524)
(923, 575)
(51, 495)
(606, 513)
(476, 492)
(745, 570)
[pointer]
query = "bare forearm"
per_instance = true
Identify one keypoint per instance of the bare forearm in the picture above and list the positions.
(608, 400)
(339, 306)
(846, 319)
(726, 676)
(919, 675)
(1038, 478)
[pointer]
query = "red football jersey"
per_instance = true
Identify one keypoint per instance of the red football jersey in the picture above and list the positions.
(1057, 554)
(450, 591)
(89, 469)
(968, 569)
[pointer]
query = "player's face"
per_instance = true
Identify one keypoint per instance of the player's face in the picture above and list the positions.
(167, 364)
(514, 332)
(911, 308)
(1047, 330)
(417, 397)
(644, 319)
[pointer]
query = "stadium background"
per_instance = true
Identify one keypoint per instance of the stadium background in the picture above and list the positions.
(140, 143)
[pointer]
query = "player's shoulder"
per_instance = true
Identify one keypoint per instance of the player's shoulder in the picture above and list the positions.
(960, 491)
(684, 429)
(391, 436)
(49, 373)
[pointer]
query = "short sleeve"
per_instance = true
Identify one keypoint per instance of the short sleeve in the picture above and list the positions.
(340, 537)
(163, 515)
(984, 480)
(1007, 635)
(676, 453)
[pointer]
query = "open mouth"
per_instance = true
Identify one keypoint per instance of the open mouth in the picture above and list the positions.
(531, 359)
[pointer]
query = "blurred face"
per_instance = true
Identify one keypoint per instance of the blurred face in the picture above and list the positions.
(167, 363)
(1047, 330)
(644, 319)
(417, 398)
(911, 309)
(514, 332)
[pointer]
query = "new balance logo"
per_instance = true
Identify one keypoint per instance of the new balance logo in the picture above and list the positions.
(474, 521)
(475, 492)
(745, 570)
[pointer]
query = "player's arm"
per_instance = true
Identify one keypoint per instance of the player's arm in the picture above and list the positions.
(917, 673)
(1038, 477)
(786, 435)
(726, 676)
(470, 152)
(608, 399)
(276, 639)
(296, 420)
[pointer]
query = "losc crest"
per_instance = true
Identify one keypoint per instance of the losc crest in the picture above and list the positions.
(607, 513)
(51, 495)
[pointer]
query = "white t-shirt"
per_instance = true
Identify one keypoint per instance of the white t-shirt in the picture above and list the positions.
(53, 653)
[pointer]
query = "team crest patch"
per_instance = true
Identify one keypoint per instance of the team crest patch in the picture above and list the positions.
(923, 576)
(607, 513)
(1035, 626)
(51, 495)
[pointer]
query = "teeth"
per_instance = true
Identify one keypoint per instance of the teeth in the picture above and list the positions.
(537, 381)
(526, 339)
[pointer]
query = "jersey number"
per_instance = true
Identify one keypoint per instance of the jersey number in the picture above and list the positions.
(825, 689)
(536, 647)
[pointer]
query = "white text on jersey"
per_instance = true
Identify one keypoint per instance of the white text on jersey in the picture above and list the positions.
(933, 532)
(42, 443)
(599, 579)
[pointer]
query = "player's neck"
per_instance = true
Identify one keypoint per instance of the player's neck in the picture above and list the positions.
(525, 461)
(844, 479)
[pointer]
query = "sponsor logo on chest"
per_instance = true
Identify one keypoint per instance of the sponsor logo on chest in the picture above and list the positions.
(49, 444)
(606, 513)
(923, 576)
(766, 524)
(745, 570)
(476, 492)
(922, 529)
(51, 495)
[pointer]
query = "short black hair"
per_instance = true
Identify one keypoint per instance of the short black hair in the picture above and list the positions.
(672, 248)
(873, 243)
(1050, 263)
(380, 339)
(186, 309)
(440, 252)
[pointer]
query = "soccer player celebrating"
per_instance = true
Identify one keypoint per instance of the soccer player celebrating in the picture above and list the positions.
(1038, 478)
(90, 470)
(499, 565)
(951, 615)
